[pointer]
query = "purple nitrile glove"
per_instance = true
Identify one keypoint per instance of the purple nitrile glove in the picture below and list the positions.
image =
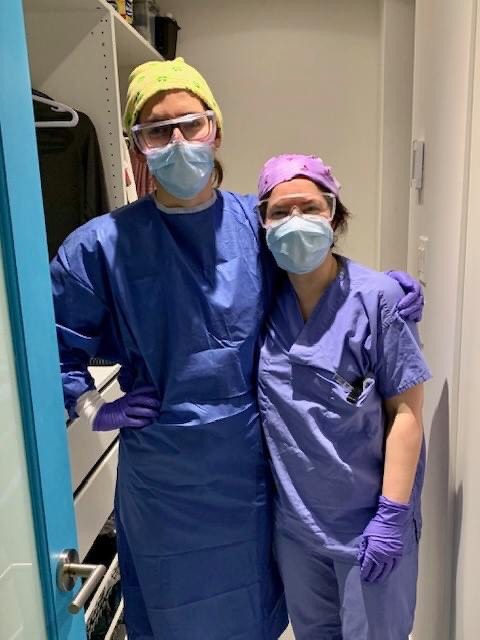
(136, 409)
(382, 541)
(410, 306)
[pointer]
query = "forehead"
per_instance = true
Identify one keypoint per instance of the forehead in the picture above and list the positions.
(170, 104)
(297, 185)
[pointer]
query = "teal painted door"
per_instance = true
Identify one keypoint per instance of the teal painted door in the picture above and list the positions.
(30, 387)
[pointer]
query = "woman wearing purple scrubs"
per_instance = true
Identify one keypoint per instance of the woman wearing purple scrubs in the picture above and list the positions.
(341, 394)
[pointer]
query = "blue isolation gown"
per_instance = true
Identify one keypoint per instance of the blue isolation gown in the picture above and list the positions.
(179, 299)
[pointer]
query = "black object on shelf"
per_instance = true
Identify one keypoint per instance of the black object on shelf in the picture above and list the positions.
(166, 30)
(101, 362)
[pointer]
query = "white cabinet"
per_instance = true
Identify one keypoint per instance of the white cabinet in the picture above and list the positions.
(87, 447)
(93, 461)
(94, 502)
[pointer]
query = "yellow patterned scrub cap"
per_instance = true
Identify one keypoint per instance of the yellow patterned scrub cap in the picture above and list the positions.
(152, 77)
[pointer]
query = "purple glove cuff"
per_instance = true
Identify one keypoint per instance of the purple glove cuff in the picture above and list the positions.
(392, 513)
(382, 542)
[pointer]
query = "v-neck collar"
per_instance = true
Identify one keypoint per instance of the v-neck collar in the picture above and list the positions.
(322, 315)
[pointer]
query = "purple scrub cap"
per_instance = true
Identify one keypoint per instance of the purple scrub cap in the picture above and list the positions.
(288, 166)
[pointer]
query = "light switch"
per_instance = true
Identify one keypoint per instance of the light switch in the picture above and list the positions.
(422, 259)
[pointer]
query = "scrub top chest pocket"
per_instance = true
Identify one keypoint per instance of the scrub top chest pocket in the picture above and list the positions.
(330, 396)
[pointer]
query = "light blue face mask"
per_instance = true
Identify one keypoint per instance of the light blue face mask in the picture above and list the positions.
(182, 168)
(300, 245)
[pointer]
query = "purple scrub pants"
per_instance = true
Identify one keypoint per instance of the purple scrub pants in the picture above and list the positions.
(326, 599)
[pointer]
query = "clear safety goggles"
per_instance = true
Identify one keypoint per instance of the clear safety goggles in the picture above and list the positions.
(193, 127)
(276, 211)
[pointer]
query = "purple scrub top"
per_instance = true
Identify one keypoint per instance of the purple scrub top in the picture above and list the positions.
(321, 390)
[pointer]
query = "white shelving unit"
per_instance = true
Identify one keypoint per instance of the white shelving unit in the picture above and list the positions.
(81, 53)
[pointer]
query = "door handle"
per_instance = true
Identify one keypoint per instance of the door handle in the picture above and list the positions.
(69, 569)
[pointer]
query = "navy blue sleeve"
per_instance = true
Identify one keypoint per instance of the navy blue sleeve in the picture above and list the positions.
(80, 317)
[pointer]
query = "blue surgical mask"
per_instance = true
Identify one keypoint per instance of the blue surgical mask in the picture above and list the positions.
(300, 245)
(182, 168)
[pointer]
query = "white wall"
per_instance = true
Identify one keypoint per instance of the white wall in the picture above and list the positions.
(294, 76)
(396, 89)
(443, 55)
(466, 621)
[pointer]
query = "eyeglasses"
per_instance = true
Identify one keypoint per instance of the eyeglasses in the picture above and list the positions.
(275, 212)
(194, 127)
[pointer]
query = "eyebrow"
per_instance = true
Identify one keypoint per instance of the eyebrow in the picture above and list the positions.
(156, 118)
(287, 199)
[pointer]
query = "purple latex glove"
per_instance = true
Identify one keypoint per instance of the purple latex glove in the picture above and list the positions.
(136, 409)
(410, 306)
(382, 542)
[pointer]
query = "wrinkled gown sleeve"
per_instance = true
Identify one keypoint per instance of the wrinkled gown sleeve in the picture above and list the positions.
(80, 318)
